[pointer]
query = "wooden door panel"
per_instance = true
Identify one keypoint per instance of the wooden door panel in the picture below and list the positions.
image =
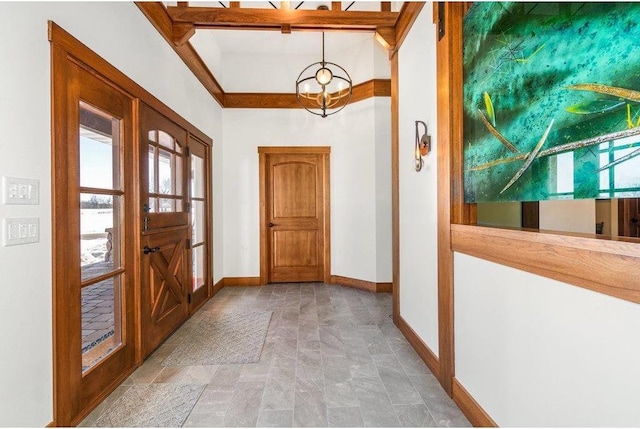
(296, 215)
(165, 286)
(294, 189)
(295, 249)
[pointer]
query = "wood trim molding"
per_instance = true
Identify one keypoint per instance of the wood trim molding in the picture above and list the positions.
(240, 281)
(361, 284)
(274, 19)
(470, 408)
(257, 100)
(395, 189)
(591, 262)
(217, 287)
(448, 130)
(157, 14)
(425, 353)
(75, 48)
(294, 149)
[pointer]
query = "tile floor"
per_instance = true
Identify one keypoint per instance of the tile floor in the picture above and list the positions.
(332, 357)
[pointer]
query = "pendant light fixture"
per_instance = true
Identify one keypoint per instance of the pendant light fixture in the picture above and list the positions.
(323, 88)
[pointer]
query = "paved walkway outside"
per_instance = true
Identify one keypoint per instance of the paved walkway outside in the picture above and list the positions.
(332, 357)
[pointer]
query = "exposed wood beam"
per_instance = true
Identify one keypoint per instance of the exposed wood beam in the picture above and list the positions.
(182, 32)
(385, 6)
(286, 29)
(386, 36)
(408, 14)
(336, 5)
(252, 100)
(157, 14)
(183, 4)
(234, 4)
(211, 17)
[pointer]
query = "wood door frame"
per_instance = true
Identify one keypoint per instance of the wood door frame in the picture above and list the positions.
(64, 49)
(263, 153)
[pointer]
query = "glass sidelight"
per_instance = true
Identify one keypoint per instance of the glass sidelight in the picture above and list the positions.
(101, 206)
(198, 221)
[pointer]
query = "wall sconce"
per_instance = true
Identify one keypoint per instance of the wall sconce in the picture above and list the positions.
(423, 146)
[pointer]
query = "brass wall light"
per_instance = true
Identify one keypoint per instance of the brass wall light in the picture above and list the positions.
(423, 146)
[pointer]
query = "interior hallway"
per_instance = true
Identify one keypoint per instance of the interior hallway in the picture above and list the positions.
(332, 357)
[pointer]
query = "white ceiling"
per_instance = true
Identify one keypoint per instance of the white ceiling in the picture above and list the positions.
(250, 55)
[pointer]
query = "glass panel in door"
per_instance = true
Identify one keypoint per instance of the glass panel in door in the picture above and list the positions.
(101, 212)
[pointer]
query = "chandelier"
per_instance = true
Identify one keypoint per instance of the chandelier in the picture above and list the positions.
(323, 88)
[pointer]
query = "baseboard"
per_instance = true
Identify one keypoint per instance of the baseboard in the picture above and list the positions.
(241, 281)
(471, 409)
(361, 284)
(420, 347)
(217, 287)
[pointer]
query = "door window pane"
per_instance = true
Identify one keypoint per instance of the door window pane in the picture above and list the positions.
(152, 167)
(101, 320)
(165, 140)
(165, 172)
(99, 234)
(197, 177)
(197, 217)
(197, 254)
(166, 205)
(99, 149)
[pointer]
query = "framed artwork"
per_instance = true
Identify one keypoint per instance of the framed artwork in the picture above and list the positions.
(551, 101)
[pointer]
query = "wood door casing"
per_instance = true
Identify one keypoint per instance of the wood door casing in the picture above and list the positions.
(294, 200)
(76, 392)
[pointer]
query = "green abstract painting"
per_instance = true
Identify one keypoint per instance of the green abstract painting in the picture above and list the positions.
(551, 101)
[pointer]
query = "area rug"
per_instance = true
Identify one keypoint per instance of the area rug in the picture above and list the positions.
(152, 405)
(223, 338)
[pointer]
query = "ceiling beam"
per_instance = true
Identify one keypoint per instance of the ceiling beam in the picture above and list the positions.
(157, 14)
(408, 15)
(239, 18)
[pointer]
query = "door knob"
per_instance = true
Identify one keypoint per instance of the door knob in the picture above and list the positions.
(148, 250)
(271, 225)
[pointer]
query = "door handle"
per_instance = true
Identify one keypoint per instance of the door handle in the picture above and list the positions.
(148, 250)
(271, 225)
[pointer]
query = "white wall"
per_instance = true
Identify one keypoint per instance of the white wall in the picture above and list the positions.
(530, 350)
(384, 233)
(123, 36)
(354, 217)
(537, 352)
(418, 190)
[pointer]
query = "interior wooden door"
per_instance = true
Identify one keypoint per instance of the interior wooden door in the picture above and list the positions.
(629, 217)
(165, 228)
(94, 244)
(296, 184)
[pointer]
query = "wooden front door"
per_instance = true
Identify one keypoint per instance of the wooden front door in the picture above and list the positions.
(629, 217)
(93, 244)
(294, 214)
(165, 275)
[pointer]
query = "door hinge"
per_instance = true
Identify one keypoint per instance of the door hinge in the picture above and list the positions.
(188, 207)
(441, 12)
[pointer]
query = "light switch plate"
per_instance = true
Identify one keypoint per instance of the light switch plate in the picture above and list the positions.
(16, 190)
(22, 230)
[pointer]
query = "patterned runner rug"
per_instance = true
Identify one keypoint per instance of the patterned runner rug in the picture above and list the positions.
(152, 405)
(223, 338)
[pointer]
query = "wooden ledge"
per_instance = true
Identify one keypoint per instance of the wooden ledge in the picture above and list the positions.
(589, 261)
